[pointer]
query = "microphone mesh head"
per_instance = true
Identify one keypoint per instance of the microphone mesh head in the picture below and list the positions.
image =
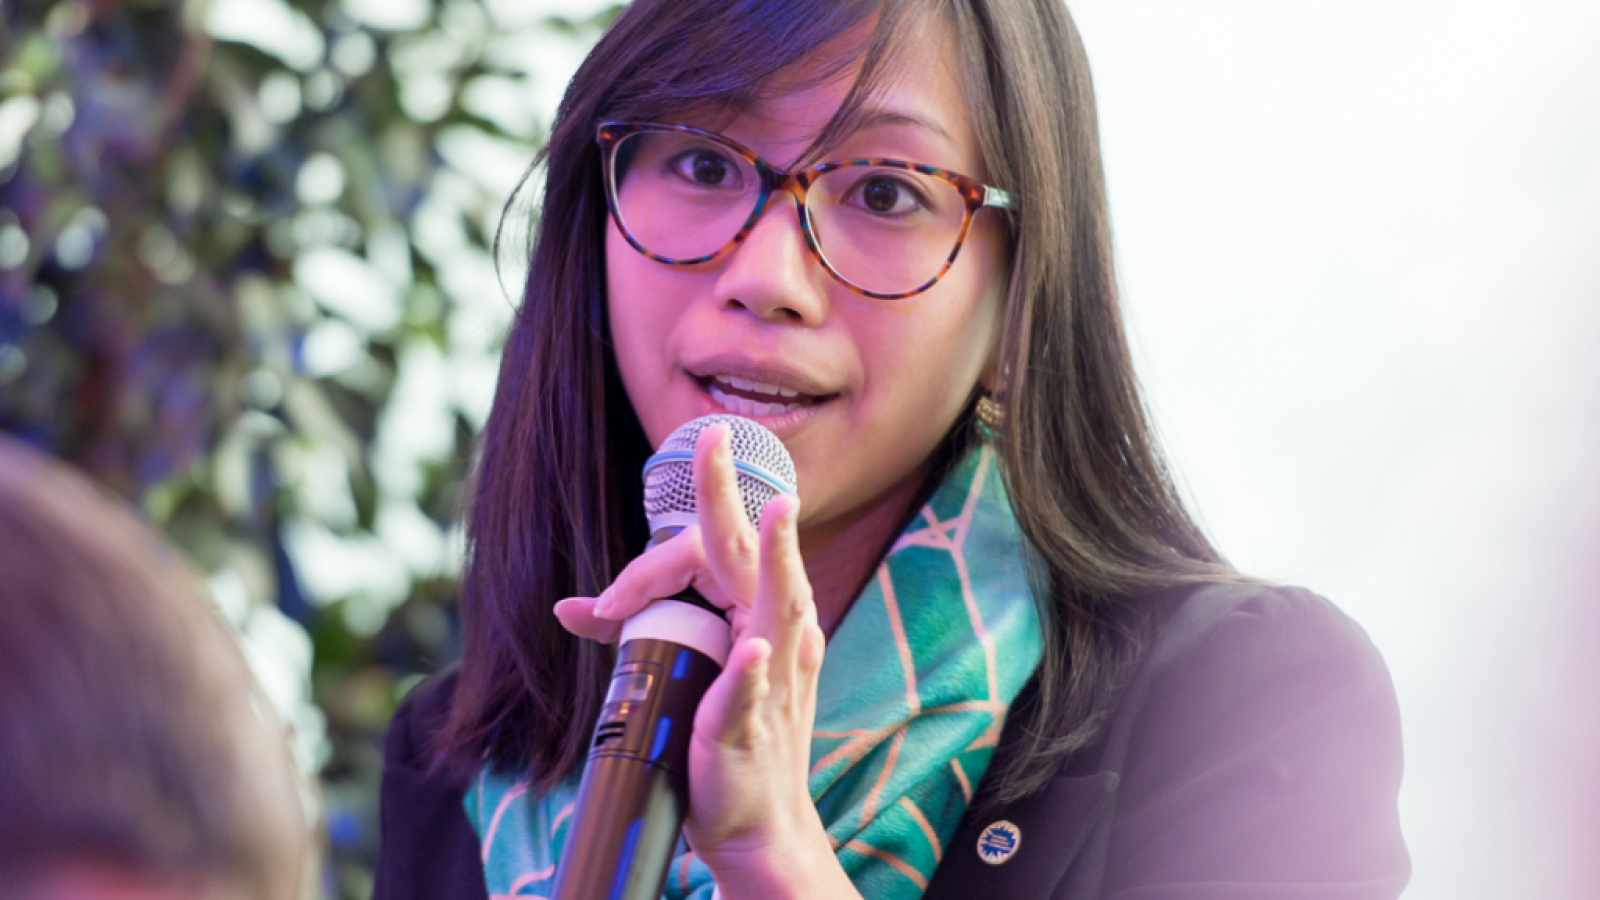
(669, 485)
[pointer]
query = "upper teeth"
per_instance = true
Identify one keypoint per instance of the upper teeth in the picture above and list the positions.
(744, 406)
(745, 384)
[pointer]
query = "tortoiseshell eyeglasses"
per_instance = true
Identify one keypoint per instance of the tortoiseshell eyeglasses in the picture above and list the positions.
(886, 228)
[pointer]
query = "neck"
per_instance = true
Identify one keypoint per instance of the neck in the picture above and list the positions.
(841, 555)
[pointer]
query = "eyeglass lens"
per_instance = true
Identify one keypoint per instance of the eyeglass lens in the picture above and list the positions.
(886, 230)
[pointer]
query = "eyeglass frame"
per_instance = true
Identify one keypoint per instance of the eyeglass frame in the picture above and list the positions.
(610, 134)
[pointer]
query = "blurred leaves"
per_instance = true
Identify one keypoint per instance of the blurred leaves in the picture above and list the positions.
(246, 281)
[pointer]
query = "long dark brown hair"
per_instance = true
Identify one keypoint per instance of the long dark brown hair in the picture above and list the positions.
(557, 509)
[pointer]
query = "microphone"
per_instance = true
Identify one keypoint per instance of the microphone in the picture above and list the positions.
(635, 790)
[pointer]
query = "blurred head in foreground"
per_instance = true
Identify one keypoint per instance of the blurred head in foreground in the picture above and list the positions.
(138, 758)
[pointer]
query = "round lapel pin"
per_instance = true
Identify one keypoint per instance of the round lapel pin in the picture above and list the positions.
(999, 842)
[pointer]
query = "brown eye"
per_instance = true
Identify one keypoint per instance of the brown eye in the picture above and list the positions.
(880, 195)
(705, 167)
(710, 169)
(885, 195)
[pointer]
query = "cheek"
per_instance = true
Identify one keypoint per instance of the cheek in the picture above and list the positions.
(924, 364)
(637, 328)
(640, 301)
(952, 350)
(947, 341)
(991, 246)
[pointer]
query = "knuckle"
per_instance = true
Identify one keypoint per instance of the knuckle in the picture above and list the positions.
(813, 644)
(796, 605)
(740, 545)
(792, 609)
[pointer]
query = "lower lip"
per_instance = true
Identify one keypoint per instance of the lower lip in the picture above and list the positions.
(781, 425)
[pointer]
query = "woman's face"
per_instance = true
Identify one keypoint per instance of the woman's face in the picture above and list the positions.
(881, 381)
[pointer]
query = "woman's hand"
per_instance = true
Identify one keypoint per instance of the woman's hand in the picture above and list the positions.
(751, 819)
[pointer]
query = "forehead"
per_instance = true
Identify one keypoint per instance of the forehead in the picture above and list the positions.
(916, 109)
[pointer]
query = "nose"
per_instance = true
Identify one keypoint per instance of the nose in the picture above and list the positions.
(772, 273)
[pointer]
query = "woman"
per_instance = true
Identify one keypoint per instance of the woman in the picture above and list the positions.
(987, 649)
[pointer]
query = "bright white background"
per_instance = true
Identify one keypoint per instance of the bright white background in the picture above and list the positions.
(1360, 250)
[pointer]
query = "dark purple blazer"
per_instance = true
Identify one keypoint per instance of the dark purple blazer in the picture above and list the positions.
(1255, 754)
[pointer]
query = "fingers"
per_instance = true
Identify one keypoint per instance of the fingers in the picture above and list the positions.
(784, 612)
(663, 571)
(728, 713)
(758, 576)
(577, 616)
(729, 541)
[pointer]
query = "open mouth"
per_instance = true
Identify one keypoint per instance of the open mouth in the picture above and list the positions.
(754, 399)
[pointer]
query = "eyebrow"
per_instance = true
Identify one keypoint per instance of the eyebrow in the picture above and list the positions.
(878, 116)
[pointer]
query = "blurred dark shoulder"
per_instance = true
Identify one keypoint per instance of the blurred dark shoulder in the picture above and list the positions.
(427, 850)
(418, 719)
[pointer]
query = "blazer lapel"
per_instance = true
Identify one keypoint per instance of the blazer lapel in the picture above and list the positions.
(1046, 833)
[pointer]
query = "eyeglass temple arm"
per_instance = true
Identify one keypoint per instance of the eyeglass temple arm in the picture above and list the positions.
(993, 196)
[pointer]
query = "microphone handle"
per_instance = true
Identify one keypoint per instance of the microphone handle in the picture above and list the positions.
(635, 790)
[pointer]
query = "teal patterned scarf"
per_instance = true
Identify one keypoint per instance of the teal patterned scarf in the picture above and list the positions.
(902, 737)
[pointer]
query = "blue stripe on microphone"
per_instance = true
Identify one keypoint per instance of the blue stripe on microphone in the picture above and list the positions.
(662, 731)
(625, 861)
(776, 482)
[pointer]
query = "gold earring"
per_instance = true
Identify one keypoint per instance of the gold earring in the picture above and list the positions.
(991, 415)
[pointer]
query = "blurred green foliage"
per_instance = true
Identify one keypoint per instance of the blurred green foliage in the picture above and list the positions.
(246, 281)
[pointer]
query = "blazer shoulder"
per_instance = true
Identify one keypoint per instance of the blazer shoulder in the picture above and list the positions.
(1259, 743)
(1237, 663)
(1243, 633)
(1292, 614)
(422, 713)
(1256, 748)
(427, 849)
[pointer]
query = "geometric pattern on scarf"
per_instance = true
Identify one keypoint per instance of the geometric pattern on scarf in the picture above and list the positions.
(912, 698)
